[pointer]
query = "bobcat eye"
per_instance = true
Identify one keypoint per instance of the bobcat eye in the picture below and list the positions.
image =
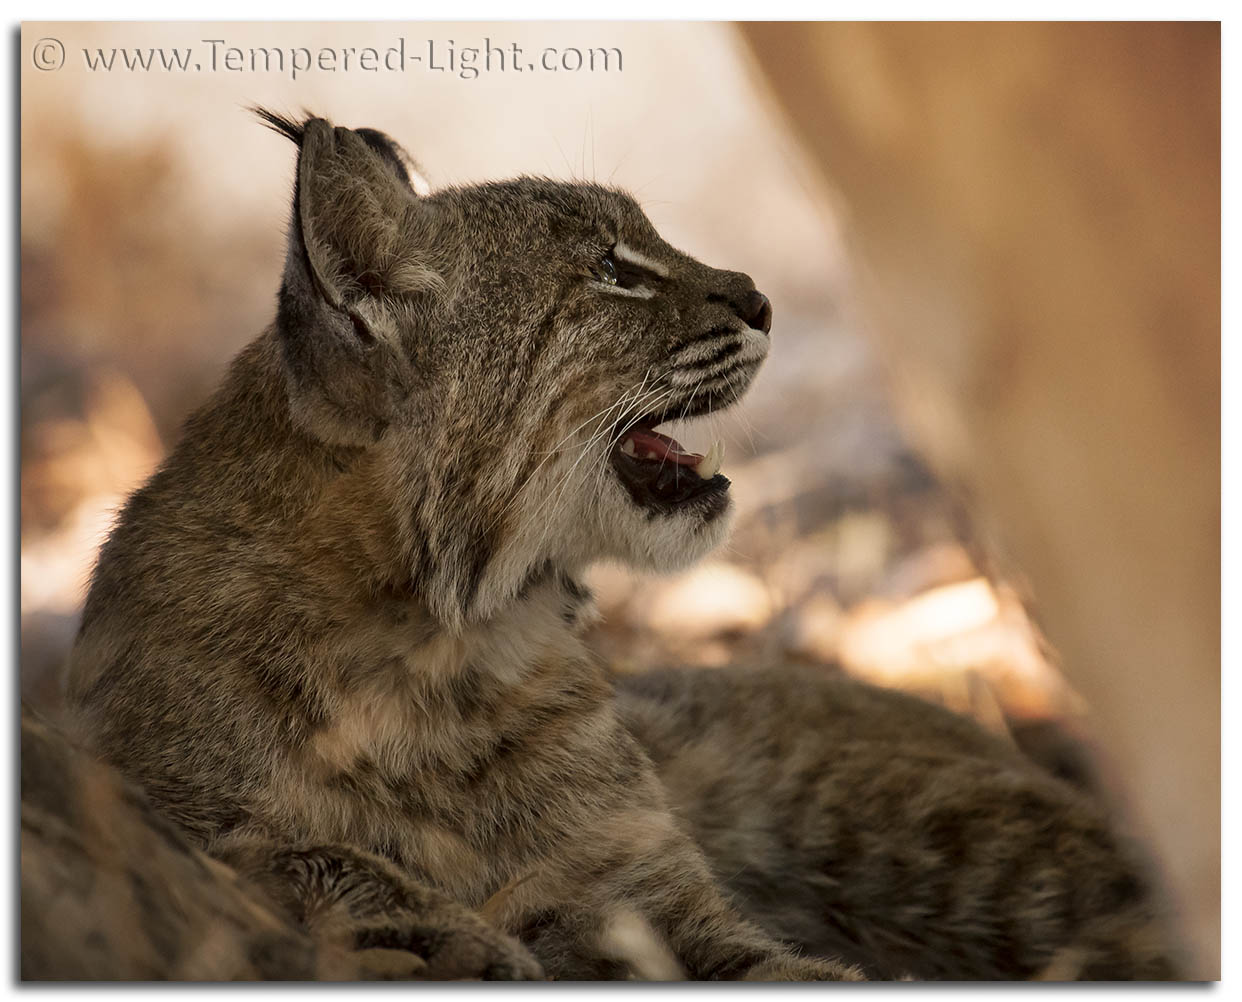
(606, 271)
(620, 275)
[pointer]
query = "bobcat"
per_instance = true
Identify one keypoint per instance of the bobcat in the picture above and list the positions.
(336, 636)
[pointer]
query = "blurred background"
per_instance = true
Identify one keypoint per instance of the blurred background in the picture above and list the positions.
(153, 210)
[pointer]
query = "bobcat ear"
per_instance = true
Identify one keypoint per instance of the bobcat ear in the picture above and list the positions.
(399, 161)
(354, 247)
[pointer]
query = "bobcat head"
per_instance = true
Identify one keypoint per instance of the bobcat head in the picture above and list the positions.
(506, 352)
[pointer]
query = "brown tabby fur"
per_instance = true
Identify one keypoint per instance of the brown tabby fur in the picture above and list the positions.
(111, 890)
(335, 637)
(869, 825)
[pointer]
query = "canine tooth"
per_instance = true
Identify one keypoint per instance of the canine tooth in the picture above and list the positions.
(710, 465)
(628, 447)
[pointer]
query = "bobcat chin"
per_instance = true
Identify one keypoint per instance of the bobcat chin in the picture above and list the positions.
(335, 637)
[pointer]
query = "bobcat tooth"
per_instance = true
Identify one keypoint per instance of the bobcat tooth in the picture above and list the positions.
(710, 464)
(627, 447)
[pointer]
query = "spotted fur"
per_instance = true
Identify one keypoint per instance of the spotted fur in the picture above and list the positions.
(867, 824)
(335, 636)
(111, 890)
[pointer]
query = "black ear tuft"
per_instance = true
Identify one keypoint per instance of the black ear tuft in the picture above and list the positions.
(286, 126)
(403, 166)
(347, 371)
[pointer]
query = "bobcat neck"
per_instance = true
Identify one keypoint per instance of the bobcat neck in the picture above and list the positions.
(336, 633)
(262, 584)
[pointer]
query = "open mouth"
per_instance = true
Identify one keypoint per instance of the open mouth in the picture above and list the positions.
(663, 477)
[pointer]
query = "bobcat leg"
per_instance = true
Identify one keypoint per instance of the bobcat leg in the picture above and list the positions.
(640, 864)
(362, 902)
(682, 901)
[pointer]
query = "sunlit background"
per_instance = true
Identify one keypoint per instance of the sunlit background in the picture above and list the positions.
(153, 211)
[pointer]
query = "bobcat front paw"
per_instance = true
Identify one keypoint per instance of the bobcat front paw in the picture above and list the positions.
(795, 968)
(447, 948)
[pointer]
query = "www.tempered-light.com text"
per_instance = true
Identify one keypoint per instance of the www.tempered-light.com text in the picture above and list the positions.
(216, 55)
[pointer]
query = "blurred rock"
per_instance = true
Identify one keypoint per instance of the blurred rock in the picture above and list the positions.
(815, 630)
(935, 641)
(939, 564)
(1035, 215)
(714, 599)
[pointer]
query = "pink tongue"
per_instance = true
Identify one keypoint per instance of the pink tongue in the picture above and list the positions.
(652, 445)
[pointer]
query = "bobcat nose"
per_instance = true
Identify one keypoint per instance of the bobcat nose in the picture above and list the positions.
(757, 311)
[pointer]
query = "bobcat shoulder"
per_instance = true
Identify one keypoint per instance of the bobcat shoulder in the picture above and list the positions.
(335, 637)
(334, 634)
